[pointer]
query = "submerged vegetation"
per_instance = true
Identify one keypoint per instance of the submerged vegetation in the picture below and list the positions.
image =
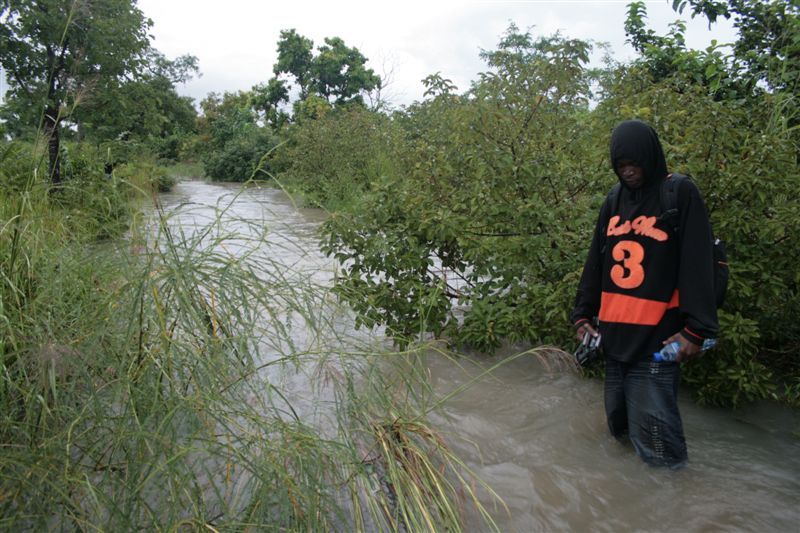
(152, 378)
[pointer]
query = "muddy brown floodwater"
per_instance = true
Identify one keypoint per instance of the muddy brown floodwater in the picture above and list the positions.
(536, 433)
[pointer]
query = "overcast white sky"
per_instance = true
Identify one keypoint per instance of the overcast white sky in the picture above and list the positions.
(235, 40)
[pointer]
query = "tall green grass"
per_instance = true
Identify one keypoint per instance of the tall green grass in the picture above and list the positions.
(181, 378)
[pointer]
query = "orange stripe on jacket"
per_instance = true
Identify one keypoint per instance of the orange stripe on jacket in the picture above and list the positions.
(625, 309)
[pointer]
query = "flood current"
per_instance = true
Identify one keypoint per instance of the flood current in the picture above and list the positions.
(536, 433)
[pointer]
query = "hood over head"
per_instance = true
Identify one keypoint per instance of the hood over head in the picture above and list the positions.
(638, 141)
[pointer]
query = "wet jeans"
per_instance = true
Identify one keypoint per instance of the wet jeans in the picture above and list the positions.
(641, 401)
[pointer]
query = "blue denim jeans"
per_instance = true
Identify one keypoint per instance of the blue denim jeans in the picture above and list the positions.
(641, 401)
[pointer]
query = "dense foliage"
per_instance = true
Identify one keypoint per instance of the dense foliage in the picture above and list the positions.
(143, 111)
(85, 71)
(477, 224)
(55, 49)
(238, 131)
(334, 156)
(480, 210)
(231, 142)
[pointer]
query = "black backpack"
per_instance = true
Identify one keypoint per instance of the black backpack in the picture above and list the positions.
(668, 197)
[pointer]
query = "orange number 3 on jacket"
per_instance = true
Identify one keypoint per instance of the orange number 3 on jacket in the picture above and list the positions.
(630, 274)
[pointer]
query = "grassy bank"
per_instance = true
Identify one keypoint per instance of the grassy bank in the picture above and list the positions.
(158, 382)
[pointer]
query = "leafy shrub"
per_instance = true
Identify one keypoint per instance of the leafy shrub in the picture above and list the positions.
(146, 175)
(336, 155)
(479, 233)
(233, 145)
(237, 158)
(94, 201)
(20, 166)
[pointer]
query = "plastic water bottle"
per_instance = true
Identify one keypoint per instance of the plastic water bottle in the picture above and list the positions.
(670, 351)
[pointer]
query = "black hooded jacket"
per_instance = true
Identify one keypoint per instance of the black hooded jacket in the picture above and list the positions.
(644, 281)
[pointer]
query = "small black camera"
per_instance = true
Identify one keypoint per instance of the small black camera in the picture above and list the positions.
(588, 350)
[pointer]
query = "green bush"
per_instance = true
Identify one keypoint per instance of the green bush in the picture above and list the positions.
(479, 233)
(146, 176)
(89, 201)
(233, 145)
(21, 166)
(335, 155)
(238, 157)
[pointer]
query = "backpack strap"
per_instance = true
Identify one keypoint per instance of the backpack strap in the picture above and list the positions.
(668, 197)
(670, 212)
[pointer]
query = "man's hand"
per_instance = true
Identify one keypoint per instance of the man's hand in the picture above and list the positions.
(583, 329)
(688, 349)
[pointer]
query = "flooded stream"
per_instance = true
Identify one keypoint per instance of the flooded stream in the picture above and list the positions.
(537, 434)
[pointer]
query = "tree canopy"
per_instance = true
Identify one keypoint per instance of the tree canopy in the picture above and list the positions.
(142, 107)
(57, 51)
(337, 73)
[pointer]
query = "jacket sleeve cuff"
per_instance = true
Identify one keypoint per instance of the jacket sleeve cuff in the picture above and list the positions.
(692, 337)
(581, 321)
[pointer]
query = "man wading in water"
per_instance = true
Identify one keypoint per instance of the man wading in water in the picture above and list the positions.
(648, 285)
